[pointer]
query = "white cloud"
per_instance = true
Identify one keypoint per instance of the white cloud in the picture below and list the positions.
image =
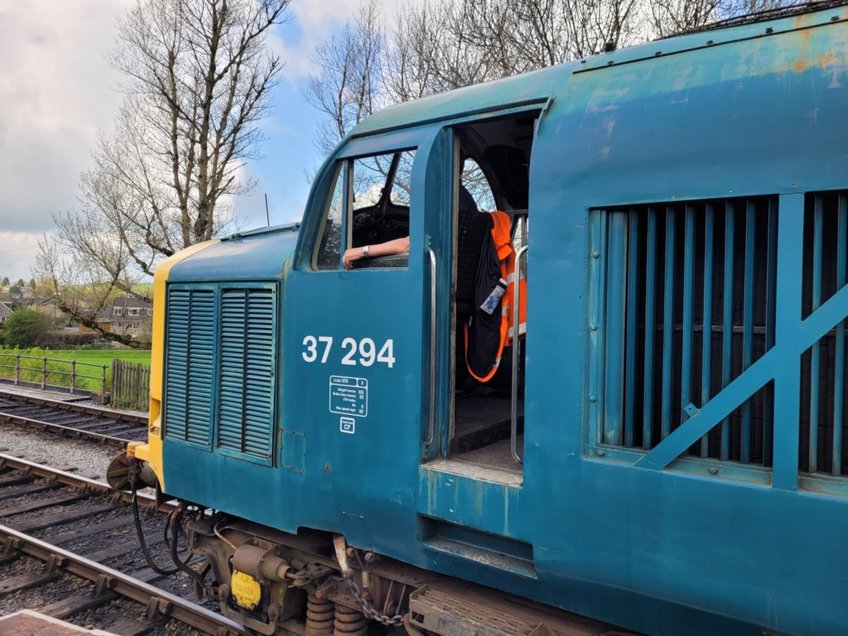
(57, 90)
(314, 21)
(311, 23)
(55, 87)
(17, 255)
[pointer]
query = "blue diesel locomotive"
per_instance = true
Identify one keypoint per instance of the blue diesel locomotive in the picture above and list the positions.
(664, 450)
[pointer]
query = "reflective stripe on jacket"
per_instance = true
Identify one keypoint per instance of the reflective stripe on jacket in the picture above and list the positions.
(506, 257)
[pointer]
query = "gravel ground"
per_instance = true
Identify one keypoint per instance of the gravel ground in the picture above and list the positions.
(90, 460)
(23, 565)
(64, 586)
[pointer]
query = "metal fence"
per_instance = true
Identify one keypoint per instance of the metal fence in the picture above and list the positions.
(53, 373)
(127, 386)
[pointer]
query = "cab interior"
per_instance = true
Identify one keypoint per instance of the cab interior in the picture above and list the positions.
(493, 167)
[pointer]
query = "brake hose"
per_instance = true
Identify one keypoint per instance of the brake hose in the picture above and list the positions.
(140, 533)
(174, 521)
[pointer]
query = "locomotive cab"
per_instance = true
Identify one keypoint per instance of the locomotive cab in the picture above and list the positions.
(482, 166)
(664, 445)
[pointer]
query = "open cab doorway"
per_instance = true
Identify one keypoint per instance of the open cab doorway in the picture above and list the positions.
(489, 289)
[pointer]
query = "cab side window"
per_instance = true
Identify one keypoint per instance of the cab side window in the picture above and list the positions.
(328, 252)
(474, 180)
(368, 204)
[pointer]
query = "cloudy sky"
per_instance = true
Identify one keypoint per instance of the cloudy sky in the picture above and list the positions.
(57, 91)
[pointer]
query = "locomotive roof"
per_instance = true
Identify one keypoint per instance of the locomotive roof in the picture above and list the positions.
(537, 87)
(254, 255)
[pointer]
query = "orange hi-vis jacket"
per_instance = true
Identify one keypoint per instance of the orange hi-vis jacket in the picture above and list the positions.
(509, 274)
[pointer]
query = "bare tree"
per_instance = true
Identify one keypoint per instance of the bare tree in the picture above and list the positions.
(668, 17)
(524, 35)
(79, 287)
(348, 87)
(197, 80)
(447, 44)
(736, 8)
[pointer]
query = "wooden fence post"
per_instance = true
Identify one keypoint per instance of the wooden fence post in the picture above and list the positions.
(130, 385)
(116, 380)
(118, 387)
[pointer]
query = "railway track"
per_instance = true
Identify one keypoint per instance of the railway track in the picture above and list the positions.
(68, 548)
(79, 421)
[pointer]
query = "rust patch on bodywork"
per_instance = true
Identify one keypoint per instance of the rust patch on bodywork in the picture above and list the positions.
(826, 59)
(820, 61)
(799, 66)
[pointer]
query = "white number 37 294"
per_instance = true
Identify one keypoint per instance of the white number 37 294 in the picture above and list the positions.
(353, 352)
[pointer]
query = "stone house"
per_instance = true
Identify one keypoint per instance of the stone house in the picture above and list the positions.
(49, 307)
(5, 312)
(130, 316)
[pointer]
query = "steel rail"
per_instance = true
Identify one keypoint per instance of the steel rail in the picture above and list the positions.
(70, 431)
(99, 411)
(111, 580)
(78, 481)
(120, 419)
(107, 579)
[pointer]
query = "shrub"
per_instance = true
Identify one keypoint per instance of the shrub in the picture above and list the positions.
(26, 328)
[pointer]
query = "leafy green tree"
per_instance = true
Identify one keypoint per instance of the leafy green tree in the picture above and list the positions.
(31, 284)
(26, 328)
(4, 282)
(20, 282)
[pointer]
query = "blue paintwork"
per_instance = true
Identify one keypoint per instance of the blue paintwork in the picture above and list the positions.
(668, 324)
(632, 326)
(706, 342)
(257, 255)
(727, 319)
(688, 257)
(839, 362)
(650, 291)
(748, 323)
(638, 539)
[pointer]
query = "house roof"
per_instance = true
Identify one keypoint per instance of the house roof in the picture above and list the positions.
(5, 310)
(130, 302)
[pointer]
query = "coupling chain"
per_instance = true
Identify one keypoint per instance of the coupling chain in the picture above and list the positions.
(368, 610)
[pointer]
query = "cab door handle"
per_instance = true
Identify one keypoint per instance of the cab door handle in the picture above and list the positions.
(431, 432)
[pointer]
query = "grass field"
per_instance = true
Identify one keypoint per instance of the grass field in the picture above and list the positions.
(98, 356)
(92, 356)
(59, 366)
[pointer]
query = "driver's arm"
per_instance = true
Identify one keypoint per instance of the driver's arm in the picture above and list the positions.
(395, 246)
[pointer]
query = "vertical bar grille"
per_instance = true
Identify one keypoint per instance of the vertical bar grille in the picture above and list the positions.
(822, 419)
(686, 293)
(220, 365)
(246, 391)
(189, 365)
